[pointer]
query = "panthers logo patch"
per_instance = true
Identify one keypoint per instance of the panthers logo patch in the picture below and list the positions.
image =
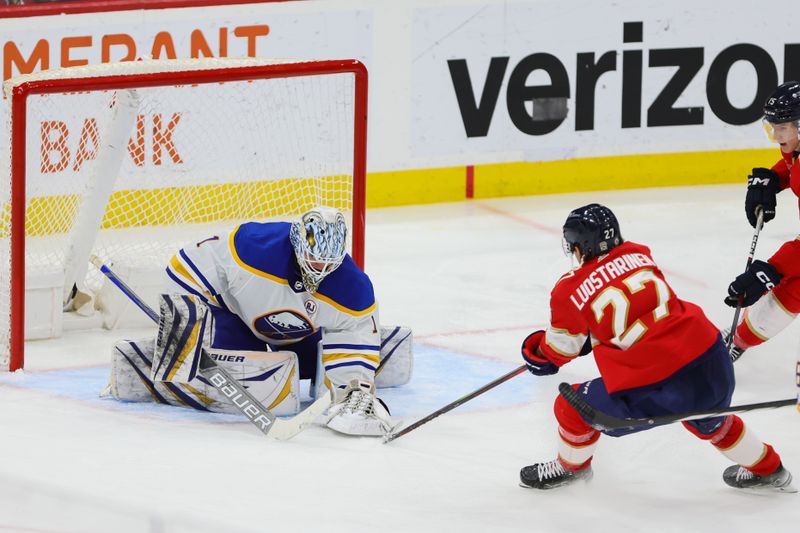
(283, 325)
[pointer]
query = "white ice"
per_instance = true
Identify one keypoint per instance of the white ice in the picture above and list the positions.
(472, 279)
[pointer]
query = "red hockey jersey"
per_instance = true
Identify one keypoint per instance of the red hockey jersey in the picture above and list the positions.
(641, 331)
(787, 258)
(788, 171)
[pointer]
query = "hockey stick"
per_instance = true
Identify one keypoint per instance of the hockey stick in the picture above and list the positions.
(249, 406)
(759, 225)
(450, 406)
(603, 421)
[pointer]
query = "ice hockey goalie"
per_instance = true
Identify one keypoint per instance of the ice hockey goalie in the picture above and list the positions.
(275, 303)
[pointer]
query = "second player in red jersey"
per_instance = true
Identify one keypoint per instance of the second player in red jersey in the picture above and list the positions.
(779, 276)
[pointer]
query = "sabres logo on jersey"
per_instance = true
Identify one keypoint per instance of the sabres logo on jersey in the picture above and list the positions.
(283, 325)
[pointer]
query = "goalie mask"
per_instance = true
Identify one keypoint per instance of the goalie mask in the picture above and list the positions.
(594, 229)
(319, 241)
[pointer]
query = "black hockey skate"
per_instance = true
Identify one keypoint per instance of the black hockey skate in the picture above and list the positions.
(741, 478)
(551, 475)
(735, 351)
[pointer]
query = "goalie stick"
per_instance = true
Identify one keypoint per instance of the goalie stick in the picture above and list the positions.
(603, 421)
(759, 225)
(450, 406)
(260, 416)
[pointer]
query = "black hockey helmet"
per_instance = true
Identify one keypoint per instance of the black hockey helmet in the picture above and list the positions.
(783, 105)
(594, 229)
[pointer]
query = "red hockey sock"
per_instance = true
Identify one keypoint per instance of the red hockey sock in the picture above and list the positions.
(742, 446)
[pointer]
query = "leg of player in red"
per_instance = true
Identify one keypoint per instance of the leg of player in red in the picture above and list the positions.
(656, 354)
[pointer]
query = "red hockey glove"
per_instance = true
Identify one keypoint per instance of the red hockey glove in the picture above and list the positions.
(536, 364)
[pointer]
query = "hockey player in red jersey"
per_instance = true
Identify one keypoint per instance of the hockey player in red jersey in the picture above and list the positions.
(779, 276)
(656, 353)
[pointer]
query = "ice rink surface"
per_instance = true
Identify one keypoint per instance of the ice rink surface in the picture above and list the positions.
(471, 279)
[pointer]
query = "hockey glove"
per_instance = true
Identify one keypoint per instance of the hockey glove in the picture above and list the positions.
(751, 285)
(536, 364)
(762, 186)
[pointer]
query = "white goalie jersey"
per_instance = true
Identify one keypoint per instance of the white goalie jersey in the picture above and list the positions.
(251, 273)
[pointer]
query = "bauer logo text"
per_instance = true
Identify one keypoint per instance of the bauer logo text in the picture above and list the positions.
(247, 407)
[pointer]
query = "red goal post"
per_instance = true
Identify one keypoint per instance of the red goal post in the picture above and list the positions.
(182, 146)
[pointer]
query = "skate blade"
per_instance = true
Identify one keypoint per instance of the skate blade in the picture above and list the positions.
(552, 487)
(585, 478)
(787, 489)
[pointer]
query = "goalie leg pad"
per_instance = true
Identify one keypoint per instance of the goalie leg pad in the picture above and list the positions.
(182, 333)
(271, 377)
(396, 361)
(397, 357)
(130, 381)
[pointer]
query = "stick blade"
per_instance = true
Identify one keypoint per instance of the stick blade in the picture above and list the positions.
(578, 403)
(594, 418)
(286, 429)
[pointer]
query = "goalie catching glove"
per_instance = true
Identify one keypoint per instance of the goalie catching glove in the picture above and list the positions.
(358, 411)
(751, 285)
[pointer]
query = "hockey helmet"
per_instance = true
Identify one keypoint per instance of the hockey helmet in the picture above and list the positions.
(594, 229)
(319, 240)
(783, 105)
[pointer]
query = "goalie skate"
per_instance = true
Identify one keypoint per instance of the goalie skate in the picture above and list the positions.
(739, 477)
(359, 412)
(550, 475)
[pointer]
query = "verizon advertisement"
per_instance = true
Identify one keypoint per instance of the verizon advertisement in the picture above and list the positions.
(530, 81)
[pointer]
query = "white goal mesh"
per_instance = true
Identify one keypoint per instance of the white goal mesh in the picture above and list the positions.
(130, 161)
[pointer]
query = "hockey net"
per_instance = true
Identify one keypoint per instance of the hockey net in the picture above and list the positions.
(128, 162)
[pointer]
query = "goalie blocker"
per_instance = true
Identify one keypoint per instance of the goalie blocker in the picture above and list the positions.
(164, 370)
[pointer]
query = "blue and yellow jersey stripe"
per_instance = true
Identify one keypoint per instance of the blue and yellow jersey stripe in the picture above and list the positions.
(341, 355)
(185, 274)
